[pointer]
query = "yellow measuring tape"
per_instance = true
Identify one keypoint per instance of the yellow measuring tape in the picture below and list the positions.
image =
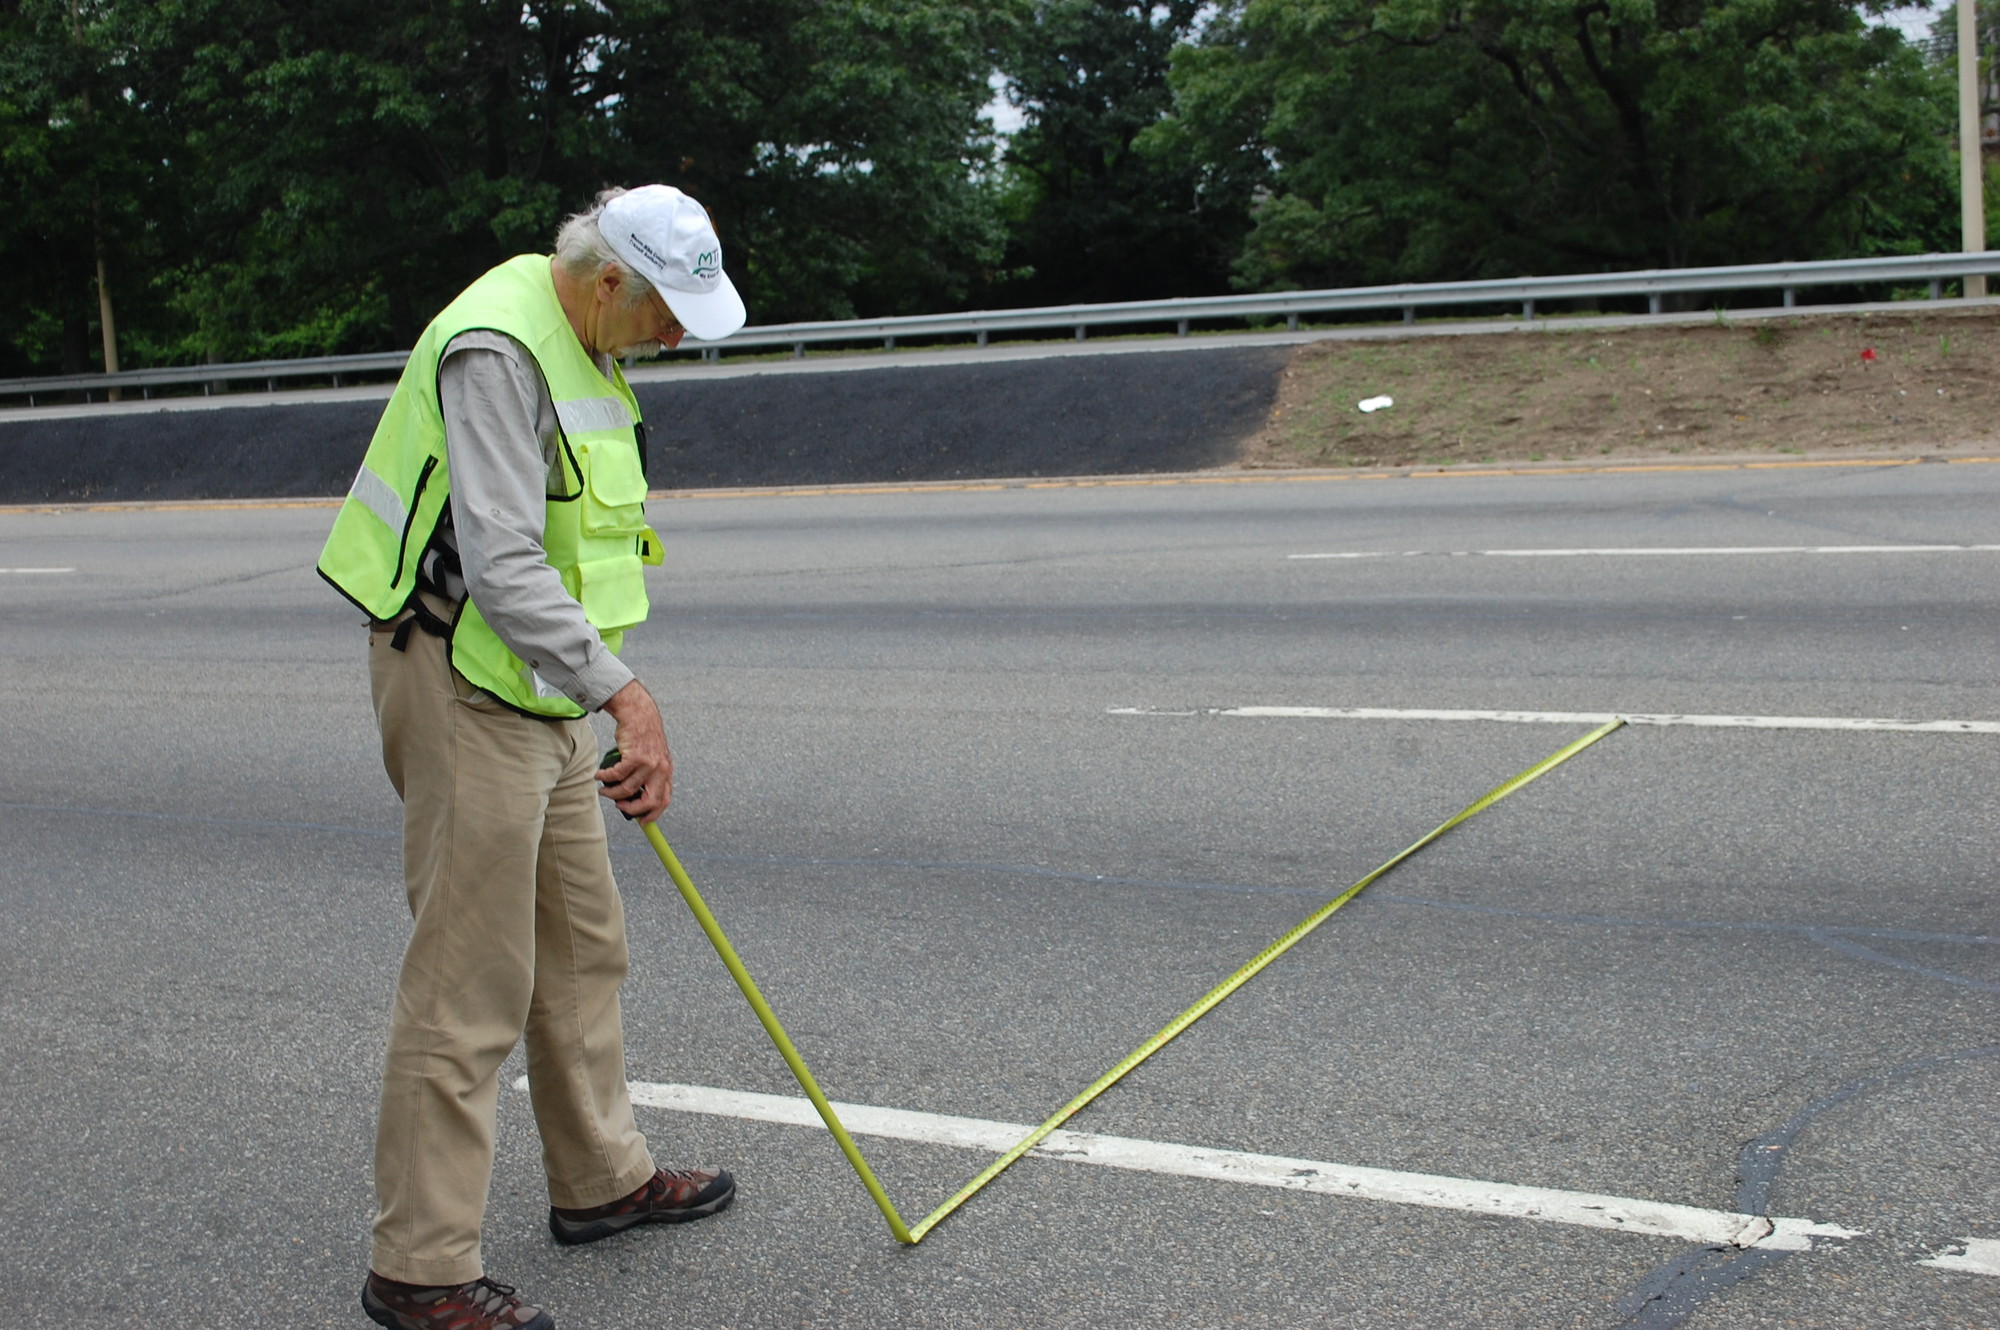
(903, 1232)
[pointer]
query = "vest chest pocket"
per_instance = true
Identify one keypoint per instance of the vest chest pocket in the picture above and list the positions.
(612, 592)
(614, 490)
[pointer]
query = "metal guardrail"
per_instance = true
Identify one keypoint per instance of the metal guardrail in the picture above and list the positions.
(1655, 284)
(207, 376)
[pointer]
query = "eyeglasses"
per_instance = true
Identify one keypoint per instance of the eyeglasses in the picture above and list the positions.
(666, 313)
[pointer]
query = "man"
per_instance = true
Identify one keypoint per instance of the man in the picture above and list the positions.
(496, 537)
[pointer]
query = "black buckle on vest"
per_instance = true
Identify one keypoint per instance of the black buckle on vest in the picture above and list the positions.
(420, 617)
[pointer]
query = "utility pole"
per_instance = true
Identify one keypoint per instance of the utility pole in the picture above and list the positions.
(1971, 188)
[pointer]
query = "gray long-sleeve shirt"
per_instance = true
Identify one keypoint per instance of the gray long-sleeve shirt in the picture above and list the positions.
(504, 448)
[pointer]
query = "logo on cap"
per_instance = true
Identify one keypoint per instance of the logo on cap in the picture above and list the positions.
(638, 242)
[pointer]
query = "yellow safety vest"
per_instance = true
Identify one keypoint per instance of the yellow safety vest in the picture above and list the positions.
(595, 532)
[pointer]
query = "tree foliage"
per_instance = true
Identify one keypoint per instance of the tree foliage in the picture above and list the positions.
(839, 144)
(1091, 217)
(323, 175)
(1410, 139)
(292, 177)
(82, 171)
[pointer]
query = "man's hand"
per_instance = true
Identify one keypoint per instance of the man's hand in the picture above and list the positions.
(641, 783)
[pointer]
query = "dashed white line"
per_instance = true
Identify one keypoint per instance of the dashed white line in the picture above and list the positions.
(1650, 551)
(1980, 1257)
(1869, 723)
(36, 570)
(1623, 1214)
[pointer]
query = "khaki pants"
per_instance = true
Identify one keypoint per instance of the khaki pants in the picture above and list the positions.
(518, 929)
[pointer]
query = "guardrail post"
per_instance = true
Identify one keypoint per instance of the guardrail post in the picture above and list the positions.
(889, 343)
(1528, 309)
(1937, 287)
(1791, 296)
(982, 337)
(1409, 313)
(798, 350)
(1653, 303)
(1180, 329)
(1291, 323)
(1080, 330)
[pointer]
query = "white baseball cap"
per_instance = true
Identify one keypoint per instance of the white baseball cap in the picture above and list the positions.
(666, 237)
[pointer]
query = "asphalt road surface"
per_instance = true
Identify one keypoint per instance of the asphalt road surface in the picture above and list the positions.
(965, 775)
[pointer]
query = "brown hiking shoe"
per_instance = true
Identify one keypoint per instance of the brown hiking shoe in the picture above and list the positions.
(480, 1305)
(670, 1196)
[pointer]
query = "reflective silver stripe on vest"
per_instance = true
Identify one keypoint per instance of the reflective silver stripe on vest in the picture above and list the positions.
(379, 497)
(581, 415)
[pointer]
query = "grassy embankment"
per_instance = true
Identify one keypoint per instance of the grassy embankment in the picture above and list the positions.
(1795, 386)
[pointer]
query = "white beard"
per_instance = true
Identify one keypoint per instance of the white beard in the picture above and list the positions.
(638, 351)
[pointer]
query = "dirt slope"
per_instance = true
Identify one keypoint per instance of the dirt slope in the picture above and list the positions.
(1805, 385)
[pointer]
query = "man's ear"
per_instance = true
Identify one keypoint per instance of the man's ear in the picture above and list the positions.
(609, 283)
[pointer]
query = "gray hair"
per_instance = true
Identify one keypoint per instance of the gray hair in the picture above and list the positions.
(582, 251)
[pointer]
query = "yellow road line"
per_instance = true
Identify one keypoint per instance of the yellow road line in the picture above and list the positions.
(168, 506)
(1080, 482)
(1279, 478)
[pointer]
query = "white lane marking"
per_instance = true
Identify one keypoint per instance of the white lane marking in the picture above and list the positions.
(1980, 1257)
(1622, 1214)
(1798, 1234)
(36, 570)
(1873, 723)
(1614, 552)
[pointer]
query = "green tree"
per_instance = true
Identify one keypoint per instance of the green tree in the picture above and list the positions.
(837, 142)
(280, 177)
(358, 164)
(1408, 140)
(1091, 217)
(83, 171)
(292, 177)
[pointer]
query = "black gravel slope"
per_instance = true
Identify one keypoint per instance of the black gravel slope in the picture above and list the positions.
(285, 451)
(1069, 415)
(1065, 415)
